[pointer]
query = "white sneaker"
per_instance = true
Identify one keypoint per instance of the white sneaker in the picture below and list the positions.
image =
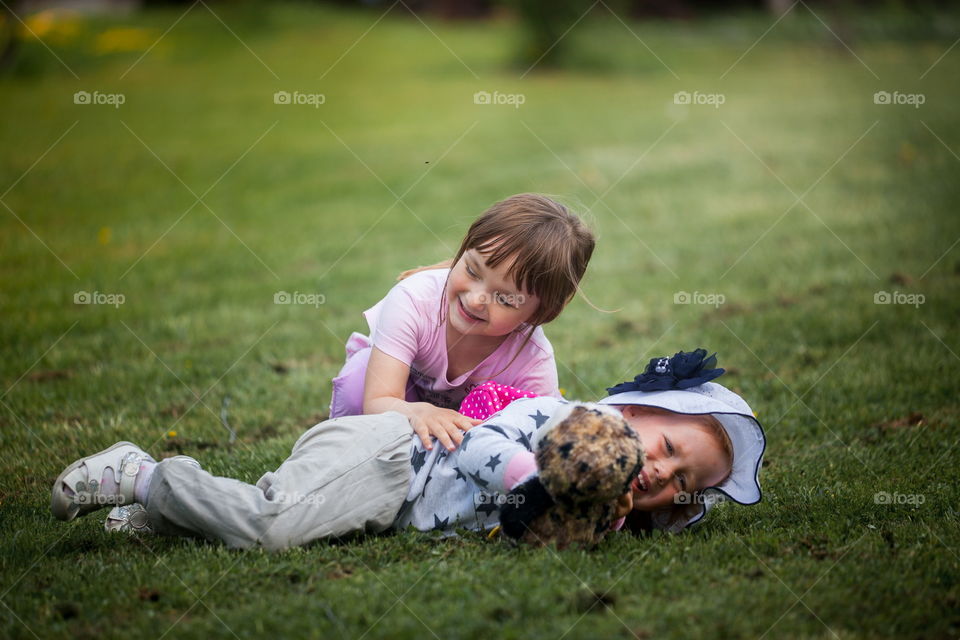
(84, 475)
(132, 518)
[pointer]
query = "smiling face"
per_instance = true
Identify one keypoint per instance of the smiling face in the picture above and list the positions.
(682, 455)
(484, 301)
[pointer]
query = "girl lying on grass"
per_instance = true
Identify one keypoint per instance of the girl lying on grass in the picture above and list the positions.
(661, 449)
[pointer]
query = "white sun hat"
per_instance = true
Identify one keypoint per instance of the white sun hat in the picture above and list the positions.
(738, 420)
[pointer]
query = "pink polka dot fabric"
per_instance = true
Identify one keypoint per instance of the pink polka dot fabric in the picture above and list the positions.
(490, 397)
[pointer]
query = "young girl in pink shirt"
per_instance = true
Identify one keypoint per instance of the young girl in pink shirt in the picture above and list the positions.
(445, 329)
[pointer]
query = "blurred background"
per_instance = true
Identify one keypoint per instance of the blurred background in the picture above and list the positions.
(198, 157)
(198, 200)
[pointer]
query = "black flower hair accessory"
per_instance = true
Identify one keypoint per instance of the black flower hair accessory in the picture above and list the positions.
(682, 371)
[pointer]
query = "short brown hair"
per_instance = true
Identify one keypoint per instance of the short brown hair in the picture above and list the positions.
(552, 247)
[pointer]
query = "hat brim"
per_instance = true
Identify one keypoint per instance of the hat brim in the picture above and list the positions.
(743, 428)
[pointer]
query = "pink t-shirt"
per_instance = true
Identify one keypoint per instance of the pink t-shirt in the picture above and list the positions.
(407, 325)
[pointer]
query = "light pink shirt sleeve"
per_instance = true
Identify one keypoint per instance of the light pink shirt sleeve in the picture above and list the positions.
(399, 323)
(520, 467)
(539, 374)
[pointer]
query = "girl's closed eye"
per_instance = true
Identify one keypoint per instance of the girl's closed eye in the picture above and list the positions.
(504, 300)
(680, 476)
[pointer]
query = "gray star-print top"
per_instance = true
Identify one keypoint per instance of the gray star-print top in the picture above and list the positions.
(464, 488)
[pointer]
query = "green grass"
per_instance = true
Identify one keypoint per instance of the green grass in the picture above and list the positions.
(694, 204)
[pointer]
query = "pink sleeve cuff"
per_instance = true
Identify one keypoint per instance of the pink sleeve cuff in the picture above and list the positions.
(520, 466)
(616, 526)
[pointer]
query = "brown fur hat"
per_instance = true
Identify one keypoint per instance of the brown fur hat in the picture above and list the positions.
(587, 456)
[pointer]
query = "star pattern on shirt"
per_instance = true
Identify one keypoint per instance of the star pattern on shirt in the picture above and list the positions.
(493, 462)
(463, 443)
(486, 507)
(480, 482)
(418, 460)
(496, 428)
(459, 474)
(425, 483)
(438, 524)
(524, 439)
(539, 418)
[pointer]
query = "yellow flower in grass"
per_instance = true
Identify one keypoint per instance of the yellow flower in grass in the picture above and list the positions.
(171, 434)
(124, 39)
(51, 25)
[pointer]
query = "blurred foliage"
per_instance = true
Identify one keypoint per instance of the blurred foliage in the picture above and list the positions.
(571, 34)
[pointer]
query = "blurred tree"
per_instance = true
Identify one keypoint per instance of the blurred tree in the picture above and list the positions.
(453, 9)
(8, 35)
(779, 7)
(545, 22)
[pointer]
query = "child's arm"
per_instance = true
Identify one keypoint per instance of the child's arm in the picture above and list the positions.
(385, 390)
(498, 454)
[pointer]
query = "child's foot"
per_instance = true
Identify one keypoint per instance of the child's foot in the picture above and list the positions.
(132, 518)
(105, 478)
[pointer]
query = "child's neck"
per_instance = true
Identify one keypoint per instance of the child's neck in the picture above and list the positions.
(465, 352)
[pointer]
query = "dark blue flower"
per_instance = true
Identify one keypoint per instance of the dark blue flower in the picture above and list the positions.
(682, 371)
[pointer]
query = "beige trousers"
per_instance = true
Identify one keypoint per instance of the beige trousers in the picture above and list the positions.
(344, 476)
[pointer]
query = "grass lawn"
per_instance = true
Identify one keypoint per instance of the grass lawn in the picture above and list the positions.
(794, 203)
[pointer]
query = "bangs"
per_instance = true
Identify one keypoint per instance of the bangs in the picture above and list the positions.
(549, 246)
(532, 265)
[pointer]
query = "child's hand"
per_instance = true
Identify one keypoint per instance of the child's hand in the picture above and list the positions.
(443, 424)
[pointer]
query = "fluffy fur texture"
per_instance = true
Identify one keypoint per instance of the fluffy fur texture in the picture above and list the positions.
(585, 462)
